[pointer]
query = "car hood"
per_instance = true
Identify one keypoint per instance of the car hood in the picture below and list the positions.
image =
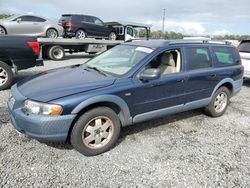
(63, 82)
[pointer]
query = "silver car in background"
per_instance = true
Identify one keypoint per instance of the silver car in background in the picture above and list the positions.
(30, 25)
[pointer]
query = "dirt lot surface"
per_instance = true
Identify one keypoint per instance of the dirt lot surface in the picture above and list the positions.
(182, 150)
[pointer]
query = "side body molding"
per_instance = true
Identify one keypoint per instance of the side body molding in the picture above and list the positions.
(124, 115)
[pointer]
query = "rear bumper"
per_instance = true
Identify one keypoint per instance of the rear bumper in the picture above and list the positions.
(39, 62)
(44, 128)
(69, 34)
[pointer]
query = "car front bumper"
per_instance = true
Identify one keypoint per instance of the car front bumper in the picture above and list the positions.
(45, 128)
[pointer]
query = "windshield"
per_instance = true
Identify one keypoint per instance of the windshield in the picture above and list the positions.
(119, 60)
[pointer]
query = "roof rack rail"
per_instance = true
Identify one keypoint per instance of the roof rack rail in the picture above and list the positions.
(185, 41)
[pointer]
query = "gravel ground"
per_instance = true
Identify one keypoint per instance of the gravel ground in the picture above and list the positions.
(183, 150)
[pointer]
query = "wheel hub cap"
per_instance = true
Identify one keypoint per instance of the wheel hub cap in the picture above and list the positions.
(3, 76)
(220, 102)
(98, 132)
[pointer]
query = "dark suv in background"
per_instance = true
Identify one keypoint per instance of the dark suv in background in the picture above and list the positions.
(82, 26)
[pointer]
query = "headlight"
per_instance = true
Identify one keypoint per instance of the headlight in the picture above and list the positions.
(38, 108)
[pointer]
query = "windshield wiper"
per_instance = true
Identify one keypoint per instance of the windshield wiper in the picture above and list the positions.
(97, 70)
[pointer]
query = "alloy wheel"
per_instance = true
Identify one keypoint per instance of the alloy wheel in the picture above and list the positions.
(220, 102)
(3, 76)
(51, 33)
(81, 35)
(98, 132)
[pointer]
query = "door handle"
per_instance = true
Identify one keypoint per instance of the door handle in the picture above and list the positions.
(181, 81)
(212, 76)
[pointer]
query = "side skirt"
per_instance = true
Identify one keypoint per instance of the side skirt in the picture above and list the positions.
(171, 110)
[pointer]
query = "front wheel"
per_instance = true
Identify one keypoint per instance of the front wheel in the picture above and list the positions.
(6, 76)
(96, 131)
(112, 36)
(219, 103)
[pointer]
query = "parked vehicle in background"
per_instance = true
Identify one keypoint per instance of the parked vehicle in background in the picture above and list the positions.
(244, 49)
(130, 83)
(17, 53)
(126, 30)
(31, 25)
(83, 26)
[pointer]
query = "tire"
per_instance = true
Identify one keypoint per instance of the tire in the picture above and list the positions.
(56, 53)
(6, 76)
(219, 103)
(51, 33)
(112, 36)
(2, 31)
(84, 140)
(81, 34)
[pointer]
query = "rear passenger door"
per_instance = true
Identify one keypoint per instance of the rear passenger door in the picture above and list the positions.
(202, 76)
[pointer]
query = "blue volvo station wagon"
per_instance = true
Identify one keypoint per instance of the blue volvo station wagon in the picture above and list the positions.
(130, 83)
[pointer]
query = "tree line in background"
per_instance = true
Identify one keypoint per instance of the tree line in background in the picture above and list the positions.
(173, 35)
(4, 16)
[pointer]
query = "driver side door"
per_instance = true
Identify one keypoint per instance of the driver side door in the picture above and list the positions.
(165, 95)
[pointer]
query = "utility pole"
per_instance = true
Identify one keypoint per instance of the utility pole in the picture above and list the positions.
(163, 21)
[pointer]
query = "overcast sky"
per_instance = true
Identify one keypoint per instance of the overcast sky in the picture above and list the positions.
(195, 17)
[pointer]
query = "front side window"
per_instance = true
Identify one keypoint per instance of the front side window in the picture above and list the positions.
(119, 60)
(130, 31)
(225, 56)
(168, 62)
(198, 58)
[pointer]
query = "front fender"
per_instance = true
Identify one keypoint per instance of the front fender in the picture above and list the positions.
(124, 115)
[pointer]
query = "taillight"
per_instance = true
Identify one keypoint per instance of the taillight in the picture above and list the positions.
(68, 24)
(35, 47)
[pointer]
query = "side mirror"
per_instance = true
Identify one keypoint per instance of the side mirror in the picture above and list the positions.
(18, 20)
(150, 74)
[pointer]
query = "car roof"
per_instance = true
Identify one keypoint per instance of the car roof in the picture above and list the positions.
(163, 43)
(19, 15)
(77, 15)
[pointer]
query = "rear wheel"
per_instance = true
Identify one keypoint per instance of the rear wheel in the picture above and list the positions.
(56, 53)
(80, 34)
(6, 76)
(96, 131)
(2, 31)
(51, 33)
(219, 103)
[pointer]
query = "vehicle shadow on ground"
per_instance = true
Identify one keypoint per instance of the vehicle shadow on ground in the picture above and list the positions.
(140, 127)
(144, 126)
(246, 82)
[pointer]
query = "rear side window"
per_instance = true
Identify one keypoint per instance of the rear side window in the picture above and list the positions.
(65, 19)
(226, 56)
(198, 58)
(244, 46)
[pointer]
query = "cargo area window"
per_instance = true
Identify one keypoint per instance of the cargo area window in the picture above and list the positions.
(225, 56)
(198, 58)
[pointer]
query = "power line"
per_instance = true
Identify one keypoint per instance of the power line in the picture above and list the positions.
(163, 20)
